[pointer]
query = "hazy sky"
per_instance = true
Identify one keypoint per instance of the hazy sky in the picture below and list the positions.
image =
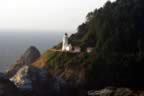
(45, 15)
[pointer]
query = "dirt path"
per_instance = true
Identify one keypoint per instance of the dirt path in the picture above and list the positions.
(55, 50)
(59, 50)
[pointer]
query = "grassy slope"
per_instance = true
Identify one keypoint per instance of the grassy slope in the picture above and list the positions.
(116, 30)
(67, 65)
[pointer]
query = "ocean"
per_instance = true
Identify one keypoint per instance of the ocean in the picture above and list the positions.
(14, 44)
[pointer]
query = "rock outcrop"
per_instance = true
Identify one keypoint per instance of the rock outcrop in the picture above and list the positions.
(114, 91)
(7, 88)
(28, 76)
(30, 56)
(21, 79)
(30, 79)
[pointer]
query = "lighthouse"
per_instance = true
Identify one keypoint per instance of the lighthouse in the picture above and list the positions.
(65, 44)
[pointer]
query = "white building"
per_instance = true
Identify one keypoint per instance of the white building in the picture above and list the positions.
(76, 49)
(69, 47)
(65, 44)
(89, 49)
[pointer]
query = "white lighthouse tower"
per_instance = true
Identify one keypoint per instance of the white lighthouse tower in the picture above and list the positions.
(65, 45)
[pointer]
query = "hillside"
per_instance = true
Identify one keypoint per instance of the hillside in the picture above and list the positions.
(66, 64)
(116, 33)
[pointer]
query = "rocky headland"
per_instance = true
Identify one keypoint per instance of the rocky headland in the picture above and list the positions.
(114, 66)
(30, 56)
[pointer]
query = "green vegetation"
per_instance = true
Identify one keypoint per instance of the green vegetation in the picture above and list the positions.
(117, 34)
(60, 63)
(116, 30)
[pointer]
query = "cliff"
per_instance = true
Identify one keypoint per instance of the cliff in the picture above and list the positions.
(115, 32)
(7, 88)
(30, 56)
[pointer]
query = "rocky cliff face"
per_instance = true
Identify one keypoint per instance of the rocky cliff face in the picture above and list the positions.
(37, 82)
(34, 80)
(7, 88)
(21, 79)
(31, 79)
(118, 52)
(30, 56)
(113, 91)
(28, 76)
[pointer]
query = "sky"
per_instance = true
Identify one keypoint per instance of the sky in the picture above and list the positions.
(45, 15)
